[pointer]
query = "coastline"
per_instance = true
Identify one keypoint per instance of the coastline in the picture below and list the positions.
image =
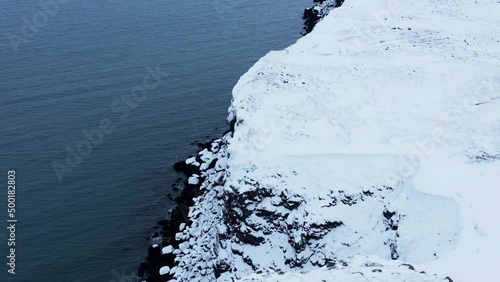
(209, 162)
(163, 254)
(384, 196)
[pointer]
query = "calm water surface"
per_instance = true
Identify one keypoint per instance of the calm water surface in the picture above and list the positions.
(65, 78)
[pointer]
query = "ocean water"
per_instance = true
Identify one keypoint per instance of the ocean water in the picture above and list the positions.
(68, 68)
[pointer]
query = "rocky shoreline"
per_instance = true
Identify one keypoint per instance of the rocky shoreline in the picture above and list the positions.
(162, 256)
(195, 169)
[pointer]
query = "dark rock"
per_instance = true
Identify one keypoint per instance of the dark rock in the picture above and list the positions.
(187, 169)
(368, 193)
(250, 239)
(312, 15)
(391, 220)
(388, 215)
(154, 253)
(212, 164)
(204, 145)
(232, 125)
(409, 266)
(291, 202)
(220, 268)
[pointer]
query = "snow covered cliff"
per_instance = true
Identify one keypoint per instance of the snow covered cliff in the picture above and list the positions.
(370, 148)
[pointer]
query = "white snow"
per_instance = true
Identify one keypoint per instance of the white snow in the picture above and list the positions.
(164, 270)
(359, 269)
(167, 250)
(183, 246)
(192, 161)
(387, 105)
(193, 180)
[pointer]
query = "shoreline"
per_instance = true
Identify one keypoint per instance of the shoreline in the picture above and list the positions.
(195, 170)
(163, 254)
(179, 215)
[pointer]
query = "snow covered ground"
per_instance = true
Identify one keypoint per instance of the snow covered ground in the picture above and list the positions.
(359, 269)
(378, 134)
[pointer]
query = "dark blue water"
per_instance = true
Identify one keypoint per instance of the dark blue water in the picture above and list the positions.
(74, 68)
